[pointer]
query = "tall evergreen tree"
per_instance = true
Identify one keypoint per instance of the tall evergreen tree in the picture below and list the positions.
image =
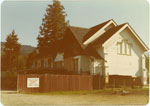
(12, 50)
(52, 29)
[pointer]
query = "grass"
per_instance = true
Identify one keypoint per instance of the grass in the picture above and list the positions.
(71, 92)
(104, 91)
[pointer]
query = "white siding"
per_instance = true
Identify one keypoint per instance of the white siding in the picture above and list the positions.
(94, 66)
(98, 67)
(123, 64)
(128, 49)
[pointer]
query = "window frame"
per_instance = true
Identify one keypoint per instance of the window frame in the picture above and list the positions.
(124, 48)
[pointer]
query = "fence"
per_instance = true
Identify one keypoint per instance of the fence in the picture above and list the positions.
(8, 80)
(49, 82)
(119, 81)
(8, 83)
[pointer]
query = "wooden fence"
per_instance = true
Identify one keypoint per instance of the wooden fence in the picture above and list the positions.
(8, 83)
(119, 81)
(49, 82)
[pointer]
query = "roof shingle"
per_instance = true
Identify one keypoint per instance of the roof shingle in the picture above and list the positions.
(105, 36)
(79, 33)
(93, 30)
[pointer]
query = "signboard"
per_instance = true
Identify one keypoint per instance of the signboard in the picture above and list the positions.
(32, 82)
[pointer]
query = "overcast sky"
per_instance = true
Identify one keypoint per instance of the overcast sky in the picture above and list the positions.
(26, 16)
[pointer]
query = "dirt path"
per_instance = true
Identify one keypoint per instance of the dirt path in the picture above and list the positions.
(84, 99)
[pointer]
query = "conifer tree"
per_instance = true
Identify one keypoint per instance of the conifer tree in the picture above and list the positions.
(12, 50)
(52, 29)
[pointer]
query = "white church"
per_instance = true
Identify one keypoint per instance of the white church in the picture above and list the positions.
(106, 49)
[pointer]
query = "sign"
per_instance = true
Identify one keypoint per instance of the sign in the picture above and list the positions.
(32, 82)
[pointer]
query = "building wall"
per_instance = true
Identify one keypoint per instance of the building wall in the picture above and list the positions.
(46, 63)
(85, 65)
(59, 65)
(121, 64)
(59, 61)
(42, 63)
(68, 64)
(38, 63)
(98, 67)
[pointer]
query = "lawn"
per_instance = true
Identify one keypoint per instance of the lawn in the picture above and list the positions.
(137, 96)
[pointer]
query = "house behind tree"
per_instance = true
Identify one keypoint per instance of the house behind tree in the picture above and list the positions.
(105, 49)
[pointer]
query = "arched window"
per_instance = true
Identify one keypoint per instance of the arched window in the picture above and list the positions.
(124, 47)
(119, 48)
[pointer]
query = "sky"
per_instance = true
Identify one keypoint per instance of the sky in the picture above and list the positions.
(25, 17)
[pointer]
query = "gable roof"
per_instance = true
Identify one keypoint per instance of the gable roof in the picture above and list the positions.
(84, 34)
(105, 36)
(94, 29)
(137, 37)
(79, 33)
(91, 51)
(108, 34)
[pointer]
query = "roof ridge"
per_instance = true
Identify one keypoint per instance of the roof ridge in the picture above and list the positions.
(95, 28)
(113, 31)
(101, 23)
(78, 27)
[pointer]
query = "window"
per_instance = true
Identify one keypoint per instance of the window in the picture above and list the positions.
(42, 63)
(124, 47)
(119, 48)
(45, 62)
(39, 63)
(49, 63)
(59, 65)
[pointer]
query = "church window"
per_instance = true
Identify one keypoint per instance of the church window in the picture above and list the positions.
(124, 47)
